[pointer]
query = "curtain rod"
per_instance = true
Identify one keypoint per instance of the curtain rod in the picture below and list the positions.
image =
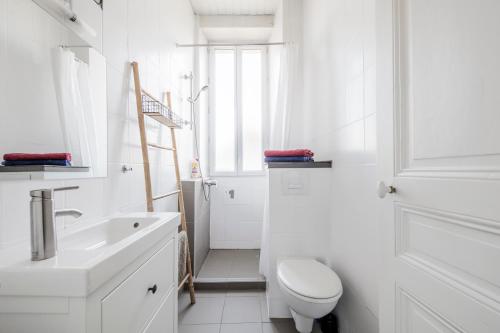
(229, 44)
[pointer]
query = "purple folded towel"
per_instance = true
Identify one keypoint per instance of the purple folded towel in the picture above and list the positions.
(37, 162)
(289, 159)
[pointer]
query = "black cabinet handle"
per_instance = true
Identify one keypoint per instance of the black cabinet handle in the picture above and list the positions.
(153, 289)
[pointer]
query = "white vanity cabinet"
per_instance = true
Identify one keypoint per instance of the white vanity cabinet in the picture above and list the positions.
(150, 289)
(140, 298)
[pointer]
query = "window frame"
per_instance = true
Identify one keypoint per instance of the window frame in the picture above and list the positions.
(238, 135)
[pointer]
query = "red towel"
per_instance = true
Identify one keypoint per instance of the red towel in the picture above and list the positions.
(289, 153)
(35, 157)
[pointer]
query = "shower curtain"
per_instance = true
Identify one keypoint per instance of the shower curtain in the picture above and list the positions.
(76, 108)
(286, 105)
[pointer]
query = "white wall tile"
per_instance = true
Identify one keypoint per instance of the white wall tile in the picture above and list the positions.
(237, 222)
(115, 33)
(118, 126)
(132, 30)
(15, 223)
(344, 29)
(89, 198)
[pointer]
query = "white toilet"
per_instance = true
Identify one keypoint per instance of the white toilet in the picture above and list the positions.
(311, 290)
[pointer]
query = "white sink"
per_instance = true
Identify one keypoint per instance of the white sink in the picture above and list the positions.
(106, 233)
(87, 256)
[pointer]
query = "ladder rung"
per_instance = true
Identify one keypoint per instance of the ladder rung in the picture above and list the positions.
(160, 147)
(183, 281)
(166, 195)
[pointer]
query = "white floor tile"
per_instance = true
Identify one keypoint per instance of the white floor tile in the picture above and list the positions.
(210, 293)
(264, 313)
(206, 311)
(241, 328)
(207, 328)
(246, 293)
(242, 310)
(279, 326)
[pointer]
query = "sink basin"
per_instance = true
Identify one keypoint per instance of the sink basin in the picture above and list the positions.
(87, 256)
(106, 233)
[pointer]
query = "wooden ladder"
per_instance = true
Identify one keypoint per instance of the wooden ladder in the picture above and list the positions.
(152, 107)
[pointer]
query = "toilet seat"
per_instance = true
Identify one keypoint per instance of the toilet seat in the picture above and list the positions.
(309, 279)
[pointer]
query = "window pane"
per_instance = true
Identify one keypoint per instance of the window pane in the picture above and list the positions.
(251, 109)
(225, 159)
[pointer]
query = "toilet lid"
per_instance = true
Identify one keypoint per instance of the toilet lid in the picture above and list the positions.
(309, 278)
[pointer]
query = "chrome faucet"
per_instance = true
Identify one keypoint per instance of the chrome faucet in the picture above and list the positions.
(43, 226)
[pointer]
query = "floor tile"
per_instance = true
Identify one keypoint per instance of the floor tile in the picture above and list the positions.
(184, 301)
(231, 264)
(246, 293)
(206, 311)
(242, 310)
(207, 328)
(241, 328)
(244, 268)
(214, 269)
(264, 313)
(279, 326)
(210, 293)
(216, 265)
(223, 253)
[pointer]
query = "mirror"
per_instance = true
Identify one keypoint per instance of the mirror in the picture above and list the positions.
(53, 93)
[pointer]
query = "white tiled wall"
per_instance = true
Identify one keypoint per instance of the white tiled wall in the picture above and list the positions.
(142, 30)
(299, 223)
(236, 223)
(339, 88)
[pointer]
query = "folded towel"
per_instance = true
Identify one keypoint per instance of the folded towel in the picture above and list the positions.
(293, 152)
(289, 159)
(37, 162)
(31, 157)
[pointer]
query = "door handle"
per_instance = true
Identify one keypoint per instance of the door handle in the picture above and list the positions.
(383, 189)
(153, 289)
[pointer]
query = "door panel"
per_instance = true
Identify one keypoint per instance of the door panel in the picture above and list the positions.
(458, 247)
(439, 108)
(447, 77)
(416, 317)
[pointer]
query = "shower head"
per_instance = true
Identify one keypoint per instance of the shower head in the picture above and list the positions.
(194, 100)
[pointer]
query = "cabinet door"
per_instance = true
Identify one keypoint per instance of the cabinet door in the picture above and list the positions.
(132, 304)
(165, 320)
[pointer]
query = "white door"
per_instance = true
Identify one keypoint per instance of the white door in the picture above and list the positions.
(438, 100)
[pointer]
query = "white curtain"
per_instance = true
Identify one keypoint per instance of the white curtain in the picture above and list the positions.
(76, 108)
(281, 115)
(88, 111)
(286, 104)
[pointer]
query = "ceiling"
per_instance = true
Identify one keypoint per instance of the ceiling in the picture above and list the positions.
(234, 7)
(228, 35)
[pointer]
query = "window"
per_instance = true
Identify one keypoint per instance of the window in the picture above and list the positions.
(225, 116)
(237, 110)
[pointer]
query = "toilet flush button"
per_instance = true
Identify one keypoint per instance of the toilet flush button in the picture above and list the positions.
(295, 183)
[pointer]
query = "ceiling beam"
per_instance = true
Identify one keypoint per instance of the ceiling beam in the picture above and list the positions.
(236, 21)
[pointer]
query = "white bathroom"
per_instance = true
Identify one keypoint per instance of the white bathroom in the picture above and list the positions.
(250, 166)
